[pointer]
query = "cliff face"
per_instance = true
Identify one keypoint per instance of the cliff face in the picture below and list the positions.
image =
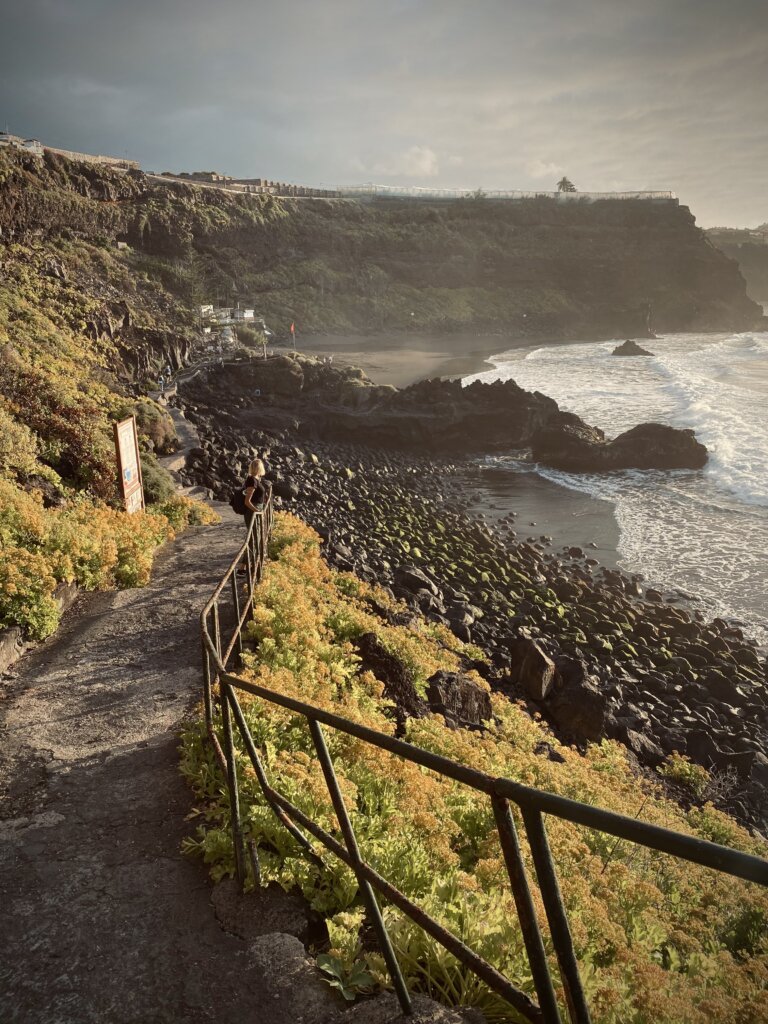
(750, 253)
(535, 268)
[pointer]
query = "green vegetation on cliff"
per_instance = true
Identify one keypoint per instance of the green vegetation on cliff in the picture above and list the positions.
(536, 267)
(658, 940)
(532, 268)
(63, 384)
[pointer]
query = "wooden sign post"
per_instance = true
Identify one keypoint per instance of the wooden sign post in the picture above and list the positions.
(129, 464)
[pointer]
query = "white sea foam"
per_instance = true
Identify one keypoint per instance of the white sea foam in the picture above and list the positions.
(707, 531)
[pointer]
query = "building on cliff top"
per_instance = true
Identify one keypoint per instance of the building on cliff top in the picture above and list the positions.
(7, 140)
(16, 142)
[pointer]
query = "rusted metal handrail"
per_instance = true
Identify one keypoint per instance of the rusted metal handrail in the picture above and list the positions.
(533, 804)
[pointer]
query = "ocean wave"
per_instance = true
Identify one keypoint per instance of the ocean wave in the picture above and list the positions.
(729, 417)
(705, 531)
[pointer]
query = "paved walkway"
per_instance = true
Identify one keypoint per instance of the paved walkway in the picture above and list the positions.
(101, 918)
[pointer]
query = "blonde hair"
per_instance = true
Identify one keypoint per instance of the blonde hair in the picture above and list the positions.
(257, 468)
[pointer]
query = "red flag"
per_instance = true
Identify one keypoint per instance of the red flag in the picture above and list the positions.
(293, 328)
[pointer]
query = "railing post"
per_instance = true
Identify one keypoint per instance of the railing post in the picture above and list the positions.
(556, 915)
(526, 912)
(256, 547)
(236, 602)
(261, 775)
(369, 897)
(207, 696)
(249, 565)
(234, 795)
(216, 629)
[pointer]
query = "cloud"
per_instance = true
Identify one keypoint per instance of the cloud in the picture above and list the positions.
(539, 169)
(414, 162)
(613, 93)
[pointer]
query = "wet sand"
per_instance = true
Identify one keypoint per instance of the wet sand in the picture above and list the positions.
(401, 360)
(545, 509)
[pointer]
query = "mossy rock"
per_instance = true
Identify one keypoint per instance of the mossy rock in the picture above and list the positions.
(599, 643)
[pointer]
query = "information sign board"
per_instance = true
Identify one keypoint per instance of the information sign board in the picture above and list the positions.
(129, 464)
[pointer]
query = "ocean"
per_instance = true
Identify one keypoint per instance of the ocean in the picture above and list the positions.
(703, 532)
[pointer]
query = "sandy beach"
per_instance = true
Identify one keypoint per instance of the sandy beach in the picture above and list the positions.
(545, 509)
(401, 360)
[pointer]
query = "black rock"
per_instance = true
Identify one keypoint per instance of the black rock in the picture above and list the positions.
(411, 578)
(544, 749)
(576, 704)
(532, 668)
(459, 699)
(398, 682)
(630, 348)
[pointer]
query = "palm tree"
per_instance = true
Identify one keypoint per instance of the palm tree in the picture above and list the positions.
(565, 185)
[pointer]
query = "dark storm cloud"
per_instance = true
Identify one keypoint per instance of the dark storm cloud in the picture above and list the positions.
(500, 94)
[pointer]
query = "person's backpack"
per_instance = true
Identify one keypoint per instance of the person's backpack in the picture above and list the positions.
(237, 501)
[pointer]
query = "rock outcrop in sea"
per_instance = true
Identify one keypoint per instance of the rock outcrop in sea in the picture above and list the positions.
(630, 348)
(437, 416)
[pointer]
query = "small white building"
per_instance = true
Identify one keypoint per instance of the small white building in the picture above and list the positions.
(243, 314)
(16, 142)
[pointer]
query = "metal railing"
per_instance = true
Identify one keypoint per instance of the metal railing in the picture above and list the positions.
(373, 191)
(223, 712)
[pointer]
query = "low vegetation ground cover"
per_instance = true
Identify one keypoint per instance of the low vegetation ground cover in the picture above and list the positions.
(59, 398)
(86, 541)
(657, 939)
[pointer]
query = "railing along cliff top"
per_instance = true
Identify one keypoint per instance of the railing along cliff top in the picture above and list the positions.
(417, 192)
(223, 713)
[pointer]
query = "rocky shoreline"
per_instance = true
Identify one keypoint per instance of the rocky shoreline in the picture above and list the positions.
(314, 400)
(593, 650)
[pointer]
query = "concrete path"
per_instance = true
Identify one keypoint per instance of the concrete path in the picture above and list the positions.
(101, 918)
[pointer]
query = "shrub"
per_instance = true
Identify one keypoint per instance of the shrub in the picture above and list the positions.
(18, 446)
(158, 482)
(682, 770)
(26, 593)
(181, 512)
(155, 423)
(85, 541)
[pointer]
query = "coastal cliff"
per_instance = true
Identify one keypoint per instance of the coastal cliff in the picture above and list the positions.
(750, 251)
(534, 268)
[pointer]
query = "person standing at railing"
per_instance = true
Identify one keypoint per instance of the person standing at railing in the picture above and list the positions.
(256, 491)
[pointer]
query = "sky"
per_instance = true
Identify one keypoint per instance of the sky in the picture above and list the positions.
(492, 94)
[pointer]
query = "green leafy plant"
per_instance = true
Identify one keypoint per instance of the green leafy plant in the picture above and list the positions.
(680, 769)
(350, 982)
